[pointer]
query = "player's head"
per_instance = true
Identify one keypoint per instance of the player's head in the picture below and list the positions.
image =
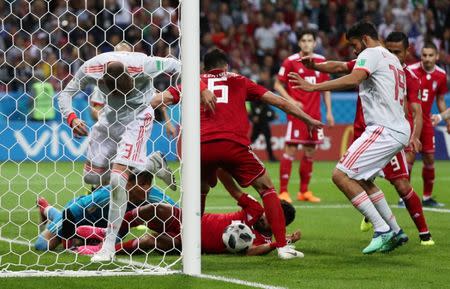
(360, 34)
(263, 226)
(215, 59)
(429, 55)
(397, 43)
(123, 46)
(307, 41)
(138, 185)
(117, 79)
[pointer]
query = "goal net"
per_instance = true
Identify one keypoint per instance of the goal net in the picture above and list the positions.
(42, 46)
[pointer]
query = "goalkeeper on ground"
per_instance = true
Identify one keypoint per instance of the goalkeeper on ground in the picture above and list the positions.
(118, 140)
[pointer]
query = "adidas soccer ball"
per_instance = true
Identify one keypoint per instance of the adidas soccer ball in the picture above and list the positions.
(237, 237)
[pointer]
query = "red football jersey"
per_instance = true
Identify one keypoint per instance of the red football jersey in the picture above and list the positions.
(213, 225)
(310, 100)
(433, 83)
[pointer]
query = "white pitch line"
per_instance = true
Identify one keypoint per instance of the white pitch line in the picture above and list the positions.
(86, 273)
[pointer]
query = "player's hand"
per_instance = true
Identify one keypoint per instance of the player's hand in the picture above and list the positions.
(308, 62)
(171, 131)
(294, 237)
(79, 128)
(314, 124)
(330, 119)
(416, 145)
(448, 128)
(299, 82)
(208, 99)
(436, 119)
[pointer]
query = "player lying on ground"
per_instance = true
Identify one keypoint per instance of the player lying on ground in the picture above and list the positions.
(164, 220)
(396, 171)
(381, 81)
(225, 142)
(437, 118)
(92, 209)
(118, 140)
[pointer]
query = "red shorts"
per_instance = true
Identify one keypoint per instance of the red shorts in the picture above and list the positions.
(397, 168)
(235, 158)
(297, 132)
(427, 138)
(173, 225)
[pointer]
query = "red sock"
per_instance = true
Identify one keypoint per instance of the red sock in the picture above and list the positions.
(306, 166)
(414, 207)
(128, 246)
(285, 172)
(428, 180)
(275, 215)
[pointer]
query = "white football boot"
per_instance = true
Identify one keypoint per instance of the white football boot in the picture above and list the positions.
(105, 254)
(288, 252)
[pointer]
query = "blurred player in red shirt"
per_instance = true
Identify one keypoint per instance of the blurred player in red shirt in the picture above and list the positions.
(397, 170)
(434, 86)
(225, 143)
(298, 132)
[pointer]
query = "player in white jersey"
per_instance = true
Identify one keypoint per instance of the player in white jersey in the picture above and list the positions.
(118, 140)
(382, 87)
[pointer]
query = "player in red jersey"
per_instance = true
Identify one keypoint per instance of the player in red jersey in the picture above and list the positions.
(437, 118)
(297, 131)
(434, 86)
(397, 170)
(165, 219)
(225, 143)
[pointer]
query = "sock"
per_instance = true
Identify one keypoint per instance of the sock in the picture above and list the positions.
(410, 168)
(117, 207)
(285, 171)
(306, 166)
(275, 215)
(52, 213)
(363, 204)
(428, 181)
(90, 232)
(414, 206)
(379, 201)
(128, 246)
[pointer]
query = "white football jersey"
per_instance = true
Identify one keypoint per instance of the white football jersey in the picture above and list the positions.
(383, 92)
(142, 68)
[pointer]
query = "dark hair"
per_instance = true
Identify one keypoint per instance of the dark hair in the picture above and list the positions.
(306, 32)
(360, 29)
(117, 78)
(430, 44)
(215, 58)
(289, 212)
(398, 37)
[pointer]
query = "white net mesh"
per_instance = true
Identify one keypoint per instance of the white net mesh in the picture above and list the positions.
(42, 45)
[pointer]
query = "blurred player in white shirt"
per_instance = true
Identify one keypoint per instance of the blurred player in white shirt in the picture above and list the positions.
(382, 88)
(118, 140)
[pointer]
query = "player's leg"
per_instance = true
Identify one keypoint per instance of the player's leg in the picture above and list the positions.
(290, 150)
(428, 176)
(305, 172)
(410, 159)
(268, 137)
(157, 165)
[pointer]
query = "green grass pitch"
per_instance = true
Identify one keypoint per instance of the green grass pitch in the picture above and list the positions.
(331, 240)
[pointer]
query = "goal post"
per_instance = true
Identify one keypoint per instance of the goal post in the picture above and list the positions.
(190, 77)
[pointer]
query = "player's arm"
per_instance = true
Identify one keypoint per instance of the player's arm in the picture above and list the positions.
(327, 101)
(442, 107)
(416, 110)
(78, 82)
(437, 118)
(290, 108)
(327, 66)
(154, 66)
(348, 81)
(281, 89)
(262, 249)
(171, 131)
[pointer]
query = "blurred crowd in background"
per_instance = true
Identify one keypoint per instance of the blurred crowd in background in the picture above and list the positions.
(49, 40)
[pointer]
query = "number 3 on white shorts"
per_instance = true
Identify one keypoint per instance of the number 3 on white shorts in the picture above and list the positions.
(222, 88)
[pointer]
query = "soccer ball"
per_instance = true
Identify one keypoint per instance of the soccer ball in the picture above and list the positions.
(237, 237)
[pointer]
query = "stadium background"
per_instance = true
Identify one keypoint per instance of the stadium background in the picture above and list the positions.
(37, 46)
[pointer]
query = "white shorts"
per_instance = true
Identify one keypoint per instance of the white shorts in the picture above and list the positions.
(124, 144)
(369, 154)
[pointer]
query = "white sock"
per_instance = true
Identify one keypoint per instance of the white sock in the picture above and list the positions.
(117, 208)
(365, 206)
(379, 201)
